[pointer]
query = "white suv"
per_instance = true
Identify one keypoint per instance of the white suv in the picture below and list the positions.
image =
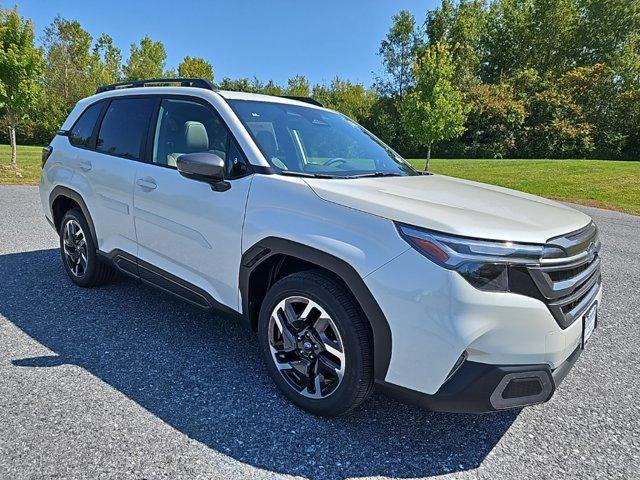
(353, 268)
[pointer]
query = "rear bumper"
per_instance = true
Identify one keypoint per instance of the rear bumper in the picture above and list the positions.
(480, 388)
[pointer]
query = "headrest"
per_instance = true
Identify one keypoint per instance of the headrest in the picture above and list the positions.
(195, 137)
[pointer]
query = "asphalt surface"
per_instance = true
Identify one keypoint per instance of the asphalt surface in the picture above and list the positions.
(123, 382)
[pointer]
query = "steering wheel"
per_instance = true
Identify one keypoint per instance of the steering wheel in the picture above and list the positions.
(337, 161)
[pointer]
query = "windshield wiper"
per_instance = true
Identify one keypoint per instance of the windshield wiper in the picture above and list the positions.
(375, 174)
(326, 175)
(306, 174)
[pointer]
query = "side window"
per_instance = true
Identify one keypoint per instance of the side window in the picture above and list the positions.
(124, 127)
(185, 126)
(80, 133)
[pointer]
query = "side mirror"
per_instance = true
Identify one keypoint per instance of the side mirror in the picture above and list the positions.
(204, 167)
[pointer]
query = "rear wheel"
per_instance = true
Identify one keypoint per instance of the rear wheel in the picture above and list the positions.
(78, 251)
(316, 343)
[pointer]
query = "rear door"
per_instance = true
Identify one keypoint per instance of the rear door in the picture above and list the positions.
(184, 228)
(107, 170)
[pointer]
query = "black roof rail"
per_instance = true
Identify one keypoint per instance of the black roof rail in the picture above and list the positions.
(310, 100)
(182, 82)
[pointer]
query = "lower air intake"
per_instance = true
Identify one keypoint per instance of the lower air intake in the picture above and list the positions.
(522, 387)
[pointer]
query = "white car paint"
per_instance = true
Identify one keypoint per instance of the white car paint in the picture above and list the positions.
(190, 231)
(435, 315)
(455, 206)
(185, 228)
(287, 208)
(107, 186)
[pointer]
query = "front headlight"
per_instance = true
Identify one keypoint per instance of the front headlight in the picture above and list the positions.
(483, 263)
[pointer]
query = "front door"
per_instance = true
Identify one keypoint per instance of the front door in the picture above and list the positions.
(183, 226)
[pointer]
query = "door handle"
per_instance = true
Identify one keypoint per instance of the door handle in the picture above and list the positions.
(147, 183)
(85, 165)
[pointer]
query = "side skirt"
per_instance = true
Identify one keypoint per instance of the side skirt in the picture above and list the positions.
(147, 273)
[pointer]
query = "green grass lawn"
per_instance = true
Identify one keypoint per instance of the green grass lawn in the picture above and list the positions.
(602, 183)
(29, 166)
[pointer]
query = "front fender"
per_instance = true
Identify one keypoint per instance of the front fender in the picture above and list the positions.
(285, 216)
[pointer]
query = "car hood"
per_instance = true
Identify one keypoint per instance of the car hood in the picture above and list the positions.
(454, 206)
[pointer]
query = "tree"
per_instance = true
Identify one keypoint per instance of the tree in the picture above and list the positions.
(538, 34)
(237, 85)
(270, 88)
(495, 121)
(607, 27)
(557, 127)
(462, 28)
(298, 86)
(146, 60)
(595, 90)
(253, 86)
(20, 67)
(531, 77)
(555, 47)
(629, 122)
(385, 120)
(353, 100)
(195, 67)
(626, 63)
(68, 74)
(397, 51)
(107, 60)
(68, 60)
(434, 110)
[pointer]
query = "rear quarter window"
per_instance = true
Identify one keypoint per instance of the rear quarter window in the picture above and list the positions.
(80, 133)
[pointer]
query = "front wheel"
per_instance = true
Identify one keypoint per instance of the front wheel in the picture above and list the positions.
(316, 343)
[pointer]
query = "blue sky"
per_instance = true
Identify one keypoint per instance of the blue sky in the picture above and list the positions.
(273, 39)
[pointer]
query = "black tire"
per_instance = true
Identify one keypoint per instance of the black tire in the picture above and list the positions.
(328, 292)
(96, 272)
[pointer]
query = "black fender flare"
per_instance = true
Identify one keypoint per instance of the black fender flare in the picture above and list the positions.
(270, 246)
(61, 191)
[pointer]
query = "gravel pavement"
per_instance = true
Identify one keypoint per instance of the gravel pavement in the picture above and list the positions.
(123, 382)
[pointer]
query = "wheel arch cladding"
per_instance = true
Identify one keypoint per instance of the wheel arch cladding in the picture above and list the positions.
(272, 258)
(61, 200)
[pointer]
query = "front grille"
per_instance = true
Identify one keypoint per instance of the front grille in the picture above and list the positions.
(560, 275)
(569, 281)
(570, 306)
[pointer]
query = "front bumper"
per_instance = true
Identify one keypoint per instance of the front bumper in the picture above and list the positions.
(480, 388)
(436, 317)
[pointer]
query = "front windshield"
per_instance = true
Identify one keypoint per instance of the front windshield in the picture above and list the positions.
(311, 141)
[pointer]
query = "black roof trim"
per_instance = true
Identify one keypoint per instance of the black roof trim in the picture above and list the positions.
(182, 82)
(310, 100)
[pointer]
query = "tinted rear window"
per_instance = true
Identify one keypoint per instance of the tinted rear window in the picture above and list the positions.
(124, 127)
(80, 134)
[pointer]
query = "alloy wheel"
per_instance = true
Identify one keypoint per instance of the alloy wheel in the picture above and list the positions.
(75, 247)
(306, 347)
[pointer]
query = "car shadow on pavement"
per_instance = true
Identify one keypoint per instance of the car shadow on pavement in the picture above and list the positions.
(202, 375)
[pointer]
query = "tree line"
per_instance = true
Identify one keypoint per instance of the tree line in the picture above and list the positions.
(473, 78)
